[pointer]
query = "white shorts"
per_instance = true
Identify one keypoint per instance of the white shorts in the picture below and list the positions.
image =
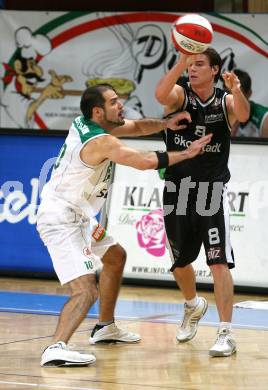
(75, 243)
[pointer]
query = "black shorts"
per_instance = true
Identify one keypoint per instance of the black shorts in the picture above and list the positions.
(187, 230)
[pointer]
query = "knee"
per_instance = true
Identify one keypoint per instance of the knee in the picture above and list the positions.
(180, 272)
(85, 288)
(88, 295)
(218, 270)
(115, 256)
(119, 255)
(92, 292)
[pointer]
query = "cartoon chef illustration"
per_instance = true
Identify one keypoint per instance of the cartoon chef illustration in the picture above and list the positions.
(21, 83)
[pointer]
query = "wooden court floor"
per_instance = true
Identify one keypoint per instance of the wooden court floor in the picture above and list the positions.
(157, 362)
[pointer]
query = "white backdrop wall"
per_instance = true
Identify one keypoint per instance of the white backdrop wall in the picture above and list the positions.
(133, 49)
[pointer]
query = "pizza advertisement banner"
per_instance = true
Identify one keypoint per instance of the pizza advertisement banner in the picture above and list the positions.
(47, 59)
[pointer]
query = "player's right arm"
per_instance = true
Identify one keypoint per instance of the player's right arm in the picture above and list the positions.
(167, 92)
(238, 107)
(111, 148)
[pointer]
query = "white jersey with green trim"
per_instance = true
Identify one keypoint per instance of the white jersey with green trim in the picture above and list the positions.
(74, 184)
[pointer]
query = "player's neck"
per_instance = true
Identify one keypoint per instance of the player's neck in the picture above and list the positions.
(203, 92)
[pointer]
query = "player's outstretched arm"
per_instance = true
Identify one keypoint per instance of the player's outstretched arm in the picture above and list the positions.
(118, 152)
(142, 127)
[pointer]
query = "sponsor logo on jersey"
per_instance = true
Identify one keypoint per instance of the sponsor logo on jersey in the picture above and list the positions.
(192, 100)
(99, 233)
(214, 253)
(82, 127)
(87, 251)
(179, 140)
(217, 102)
(214, 118)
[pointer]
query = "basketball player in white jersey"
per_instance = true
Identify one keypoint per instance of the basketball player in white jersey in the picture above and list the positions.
(71, 200)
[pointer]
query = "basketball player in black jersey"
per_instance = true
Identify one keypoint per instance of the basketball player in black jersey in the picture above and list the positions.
(200, 211)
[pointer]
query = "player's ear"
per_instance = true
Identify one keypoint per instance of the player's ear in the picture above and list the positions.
(97, 111)
(215, 69)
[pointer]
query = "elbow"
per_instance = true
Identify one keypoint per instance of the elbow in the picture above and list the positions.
(160, 97)
(243, 112)
(244, 117)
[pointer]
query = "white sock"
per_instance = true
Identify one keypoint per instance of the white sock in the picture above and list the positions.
(192, 302)
(225, 325)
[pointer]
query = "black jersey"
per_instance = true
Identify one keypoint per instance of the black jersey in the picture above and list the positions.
(207, 117)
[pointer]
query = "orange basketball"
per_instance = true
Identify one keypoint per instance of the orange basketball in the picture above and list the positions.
(191, 34)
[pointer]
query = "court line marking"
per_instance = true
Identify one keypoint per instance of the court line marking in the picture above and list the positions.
(48, 386)
(203, 322)
(158, 318)
(162, 317)
(149, 386)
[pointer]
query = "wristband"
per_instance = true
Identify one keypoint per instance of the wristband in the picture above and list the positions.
(163, 159)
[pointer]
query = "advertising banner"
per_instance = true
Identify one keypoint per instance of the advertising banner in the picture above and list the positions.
(24, 161)
(48, 58)
(134, 211)
(135, 218)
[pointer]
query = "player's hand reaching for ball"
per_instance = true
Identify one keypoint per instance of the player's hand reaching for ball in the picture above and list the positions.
(197, 147)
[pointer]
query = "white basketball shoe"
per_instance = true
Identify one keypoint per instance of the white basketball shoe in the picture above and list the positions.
(59, 354)
(225, 344)
(112, 334)
(188, 327)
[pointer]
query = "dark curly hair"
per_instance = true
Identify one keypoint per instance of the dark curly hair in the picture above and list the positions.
(93, 97)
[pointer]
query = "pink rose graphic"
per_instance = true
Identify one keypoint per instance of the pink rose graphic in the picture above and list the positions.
(151, 233)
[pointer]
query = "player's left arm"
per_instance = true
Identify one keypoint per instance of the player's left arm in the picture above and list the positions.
(237, 104)
(142, 127)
